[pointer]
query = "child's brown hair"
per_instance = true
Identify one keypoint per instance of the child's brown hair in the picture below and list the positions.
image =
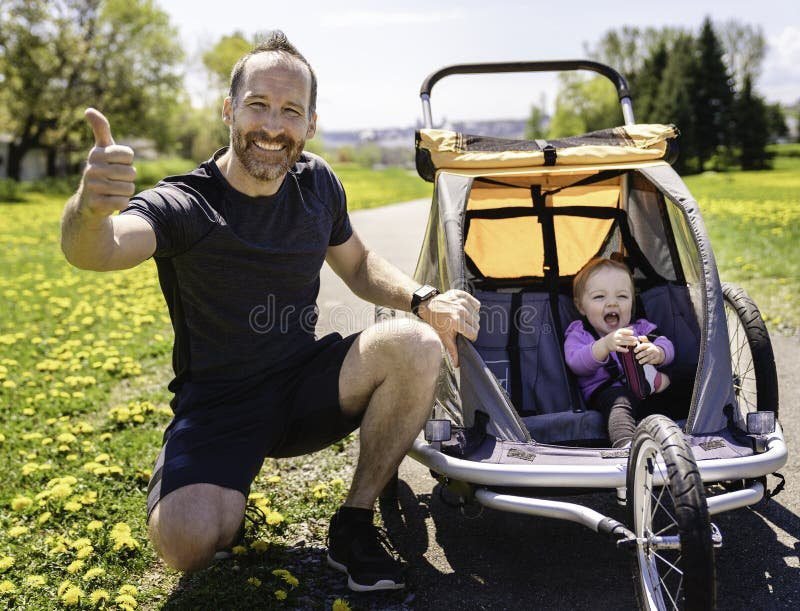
(598, 263)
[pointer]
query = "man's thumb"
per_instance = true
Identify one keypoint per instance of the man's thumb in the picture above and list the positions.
(100, 127)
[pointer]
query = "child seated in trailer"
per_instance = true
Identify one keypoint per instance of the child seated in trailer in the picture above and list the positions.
(595, 347)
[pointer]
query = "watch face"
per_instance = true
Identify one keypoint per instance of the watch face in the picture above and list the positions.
(425, 292)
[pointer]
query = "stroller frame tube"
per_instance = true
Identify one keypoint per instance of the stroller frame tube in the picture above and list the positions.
(619, 82)
(596, 521)
(592, 476)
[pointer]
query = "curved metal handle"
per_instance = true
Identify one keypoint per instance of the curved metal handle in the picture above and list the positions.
(619, 82)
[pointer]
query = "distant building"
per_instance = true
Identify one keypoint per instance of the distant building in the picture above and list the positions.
(34, 163)
(403, 137)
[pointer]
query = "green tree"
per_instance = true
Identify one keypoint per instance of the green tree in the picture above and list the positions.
(713, 96)
(220, 59)
(745, 49)
(59, 56)
(646, 89)
(585, 106)
(673, 100)
(536, 126)
(776, 122)
(752, 133)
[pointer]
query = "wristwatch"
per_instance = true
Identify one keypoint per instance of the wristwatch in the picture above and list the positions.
(421, 295)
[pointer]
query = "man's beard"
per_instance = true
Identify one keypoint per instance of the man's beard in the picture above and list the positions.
(253, 159)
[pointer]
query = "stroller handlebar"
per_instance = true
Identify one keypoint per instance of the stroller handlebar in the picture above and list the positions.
(615, 77)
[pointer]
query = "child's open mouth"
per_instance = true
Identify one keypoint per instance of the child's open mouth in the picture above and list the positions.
(611, 319)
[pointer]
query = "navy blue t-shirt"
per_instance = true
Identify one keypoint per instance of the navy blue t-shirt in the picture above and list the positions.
(240, 274)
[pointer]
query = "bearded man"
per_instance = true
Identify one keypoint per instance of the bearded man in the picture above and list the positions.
(238, 244)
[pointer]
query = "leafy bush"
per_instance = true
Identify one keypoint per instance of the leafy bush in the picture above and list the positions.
(10, 190)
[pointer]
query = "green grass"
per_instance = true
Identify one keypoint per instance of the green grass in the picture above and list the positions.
(753, 219)
(84, 363)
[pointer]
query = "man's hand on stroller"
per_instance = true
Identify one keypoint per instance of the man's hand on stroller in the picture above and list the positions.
(451, 313)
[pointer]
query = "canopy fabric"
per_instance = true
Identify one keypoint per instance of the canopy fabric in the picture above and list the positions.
(438, 149)
(473, 221)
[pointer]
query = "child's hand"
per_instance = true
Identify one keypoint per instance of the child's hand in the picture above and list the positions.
(620, 340)
(647, 353)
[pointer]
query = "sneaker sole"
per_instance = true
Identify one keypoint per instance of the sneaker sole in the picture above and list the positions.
(383, 584)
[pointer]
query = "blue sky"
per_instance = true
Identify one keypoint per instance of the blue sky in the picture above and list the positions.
(370, 57)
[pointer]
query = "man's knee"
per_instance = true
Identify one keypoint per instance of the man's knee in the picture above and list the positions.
(415, 345)
(189, 525)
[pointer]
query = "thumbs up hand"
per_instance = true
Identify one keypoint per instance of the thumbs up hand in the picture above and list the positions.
(108, 179)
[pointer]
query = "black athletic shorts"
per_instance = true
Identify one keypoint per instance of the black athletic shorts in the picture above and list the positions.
(221, 433)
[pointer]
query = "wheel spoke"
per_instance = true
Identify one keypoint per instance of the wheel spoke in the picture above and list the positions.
(664, 588)
(665, 529)
(668, 563)
(658, 501)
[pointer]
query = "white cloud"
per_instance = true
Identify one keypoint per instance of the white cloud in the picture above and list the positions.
(780, 79)
(387, 18)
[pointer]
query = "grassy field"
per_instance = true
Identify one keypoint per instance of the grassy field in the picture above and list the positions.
(753, 219)
(84, 361)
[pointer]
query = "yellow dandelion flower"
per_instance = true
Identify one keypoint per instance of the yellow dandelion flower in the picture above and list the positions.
(280, 594)
(71, 596)
(340, 604)
(44, 517)
(82, 542)
(286, 576)
(239, 550)
(9, 384)
(35, 581)
(94, 525)
(75, 566)
(274, 517)
(274, 479)
(126, 599)
(6, 562)
(98, 595)
(254, 581)
(72, 506)
(259, 546)
(338, 483)
(17, 531)
(20, 503)
(85, 552)
(94, 573)
(7, 587)
(128, 589)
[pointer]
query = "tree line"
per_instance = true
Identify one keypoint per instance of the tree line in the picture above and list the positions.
(124, 56)
(703, 83)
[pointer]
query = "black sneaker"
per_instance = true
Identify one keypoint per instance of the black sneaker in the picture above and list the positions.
(361, 550)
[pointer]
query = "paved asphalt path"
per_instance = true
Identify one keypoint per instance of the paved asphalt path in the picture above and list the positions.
(504, 561)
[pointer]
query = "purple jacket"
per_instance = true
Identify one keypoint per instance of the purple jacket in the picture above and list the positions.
(591, 373)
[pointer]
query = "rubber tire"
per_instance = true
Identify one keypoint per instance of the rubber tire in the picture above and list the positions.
(760, 345)
(658, 435)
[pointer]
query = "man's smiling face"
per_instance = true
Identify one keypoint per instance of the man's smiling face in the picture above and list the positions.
(269, 119)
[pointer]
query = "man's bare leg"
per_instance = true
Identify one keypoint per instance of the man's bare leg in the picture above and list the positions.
(389, 375)
(190, 524)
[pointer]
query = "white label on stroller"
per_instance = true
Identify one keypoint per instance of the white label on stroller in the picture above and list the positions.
(497, 370)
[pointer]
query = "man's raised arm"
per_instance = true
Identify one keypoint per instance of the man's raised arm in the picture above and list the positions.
(91, 237)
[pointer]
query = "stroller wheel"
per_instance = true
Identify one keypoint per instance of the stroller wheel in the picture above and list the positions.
(755, 378)
(674, 555)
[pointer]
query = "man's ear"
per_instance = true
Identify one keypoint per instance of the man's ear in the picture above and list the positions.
(312, 127)
(227, 111)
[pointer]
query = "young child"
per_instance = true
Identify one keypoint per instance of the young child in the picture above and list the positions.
(604, 294)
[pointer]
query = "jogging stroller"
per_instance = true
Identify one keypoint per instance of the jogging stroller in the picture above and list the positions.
(512, 222)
